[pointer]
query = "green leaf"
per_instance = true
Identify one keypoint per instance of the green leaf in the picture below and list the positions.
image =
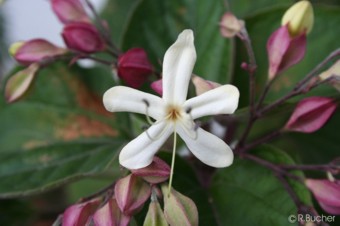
(245, 8)
(155, 25)
(58, 133)
(249, 194)
(35, 170)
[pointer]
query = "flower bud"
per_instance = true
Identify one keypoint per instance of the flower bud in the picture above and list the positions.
(155, 215)
(230, 25)
(202, 85)
(299, 18)
(83, 37)
(19, 83)
(34, 51)
(134, 67)
(131, 193)
(332, 71)
(311, 114)
(179, 209)
(284, 51)
(69, 11)
(79, 214)
(158, 171)
(110, 215)
(327, 193)
(157, 86)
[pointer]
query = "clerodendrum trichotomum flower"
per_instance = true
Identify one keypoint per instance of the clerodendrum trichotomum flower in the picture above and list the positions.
(173, 113)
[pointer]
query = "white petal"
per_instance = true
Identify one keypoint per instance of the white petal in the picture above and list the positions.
(221, 100)
(121, 98)
(140, 151)
(208, 148)
(178, 63)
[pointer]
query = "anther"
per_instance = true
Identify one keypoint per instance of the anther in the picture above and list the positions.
(146, 102)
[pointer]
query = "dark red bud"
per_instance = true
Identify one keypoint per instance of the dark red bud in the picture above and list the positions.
(83, 37)
(134, 67)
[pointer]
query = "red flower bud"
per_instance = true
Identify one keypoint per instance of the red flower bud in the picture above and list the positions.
(110, 215)
(35, 50)
(134, 67)
(284, 51)
(327, 193)
(311, 114)
(69, 11)
(158, 171)
(79, 214)
(83, 37)
(131, 193)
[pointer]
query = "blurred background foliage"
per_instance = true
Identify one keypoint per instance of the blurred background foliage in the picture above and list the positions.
(60, 132)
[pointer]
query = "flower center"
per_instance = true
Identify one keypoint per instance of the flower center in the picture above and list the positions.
(173, 113)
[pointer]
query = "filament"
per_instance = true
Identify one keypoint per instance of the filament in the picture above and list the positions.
(159, 135)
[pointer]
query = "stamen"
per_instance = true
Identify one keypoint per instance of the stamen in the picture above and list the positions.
(187, 130)
(159, 135)
(194, 126)
(147, 105)
(172, 161)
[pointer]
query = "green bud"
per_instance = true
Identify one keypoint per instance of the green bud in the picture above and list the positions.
(299, 17)
(179, 209)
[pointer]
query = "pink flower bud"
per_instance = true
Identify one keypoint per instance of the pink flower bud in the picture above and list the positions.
(311, 114)
(202, 85)
(79, 214)
(284, 51)
(69, 11)
(19, 83)
(179, 209)
(36, 50)
(230, 25)
(134, 67)
(131, 193)
(110, 215)
(327, 193)
(157, 86)
(83, 37)
(158, 171)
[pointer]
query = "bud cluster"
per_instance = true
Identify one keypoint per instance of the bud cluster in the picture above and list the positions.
(129, 196)
(82, 39)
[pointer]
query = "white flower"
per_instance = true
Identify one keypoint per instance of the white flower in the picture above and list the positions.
(173, 113)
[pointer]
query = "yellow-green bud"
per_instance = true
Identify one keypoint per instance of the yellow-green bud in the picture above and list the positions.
(14, 48)
(299, 17)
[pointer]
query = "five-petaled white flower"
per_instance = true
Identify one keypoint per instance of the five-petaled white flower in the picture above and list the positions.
(173, 113)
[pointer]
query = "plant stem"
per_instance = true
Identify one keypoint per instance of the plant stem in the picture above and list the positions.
(108, 190)
(261, 140)
(299, 87)
(104, 32)
(274, 168)
(311, 167)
